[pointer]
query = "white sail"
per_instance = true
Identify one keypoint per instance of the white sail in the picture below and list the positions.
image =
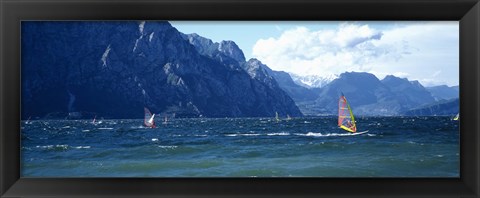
(149, 119)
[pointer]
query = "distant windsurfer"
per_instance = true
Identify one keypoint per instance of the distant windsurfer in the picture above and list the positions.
(149, 119)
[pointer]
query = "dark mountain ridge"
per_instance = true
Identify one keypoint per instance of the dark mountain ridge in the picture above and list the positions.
(444, 92)
(409, 93)
(114, 69)
(444, 107)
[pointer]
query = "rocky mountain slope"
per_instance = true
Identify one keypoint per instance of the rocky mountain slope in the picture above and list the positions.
(114, 69)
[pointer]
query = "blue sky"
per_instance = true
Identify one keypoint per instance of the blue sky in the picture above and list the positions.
(417, 50)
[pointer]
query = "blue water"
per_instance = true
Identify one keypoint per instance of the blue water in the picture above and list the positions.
(241, 147)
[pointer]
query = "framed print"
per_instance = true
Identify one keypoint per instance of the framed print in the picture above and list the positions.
(149, 99)
(156, 98)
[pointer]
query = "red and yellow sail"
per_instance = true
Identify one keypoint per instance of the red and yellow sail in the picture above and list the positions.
(346, 120)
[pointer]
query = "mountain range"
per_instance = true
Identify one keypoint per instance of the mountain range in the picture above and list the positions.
(312, 81)
(114, 69)
(443, 107)
(369, 95)
(444, 92)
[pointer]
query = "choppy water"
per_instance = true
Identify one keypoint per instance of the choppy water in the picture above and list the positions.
(263, 147)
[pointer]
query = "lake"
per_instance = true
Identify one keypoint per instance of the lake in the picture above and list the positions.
(242, 147)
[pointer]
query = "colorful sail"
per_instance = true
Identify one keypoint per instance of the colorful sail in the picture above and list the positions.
(346, 120)
(149, 119)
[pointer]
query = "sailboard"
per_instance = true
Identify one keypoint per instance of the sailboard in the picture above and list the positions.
(165, 121)
(346, 120)
(276, 117)
(28, 121)
(149, 119)
(457, 117)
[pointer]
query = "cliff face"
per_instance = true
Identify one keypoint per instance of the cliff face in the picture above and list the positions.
(269, 87)
(114, 69)
(230, 54)
(264, 84)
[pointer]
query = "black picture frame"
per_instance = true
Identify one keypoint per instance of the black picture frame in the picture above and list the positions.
(14, 11)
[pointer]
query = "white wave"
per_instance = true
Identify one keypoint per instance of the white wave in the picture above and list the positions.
(168, 147)
(282, 133)
(48, 146)
(243, 134)
(85, 130)
(200, 135)
(105, 128)
(60, 146)
(312, 134)
(81, 147)
(26, 148)
(154, 139)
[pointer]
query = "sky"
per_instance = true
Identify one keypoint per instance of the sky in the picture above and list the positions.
(427, 51)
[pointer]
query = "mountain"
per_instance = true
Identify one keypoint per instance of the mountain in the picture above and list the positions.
(114, 69)
(456, 88)
(298, 93)
(312, 81)
(444, 92)
(410, 93)
(226, 52)
(444, 107)
(229, 53)
(368, 95)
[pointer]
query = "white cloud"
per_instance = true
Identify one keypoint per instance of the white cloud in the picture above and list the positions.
(416, 50)
(401, 74)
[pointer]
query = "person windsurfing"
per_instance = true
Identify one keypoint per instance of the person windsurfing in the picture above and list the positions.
(148, 120)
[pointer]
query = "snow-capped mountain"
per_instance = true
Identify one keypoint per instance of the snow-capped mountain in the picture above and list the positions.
(313, 81)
